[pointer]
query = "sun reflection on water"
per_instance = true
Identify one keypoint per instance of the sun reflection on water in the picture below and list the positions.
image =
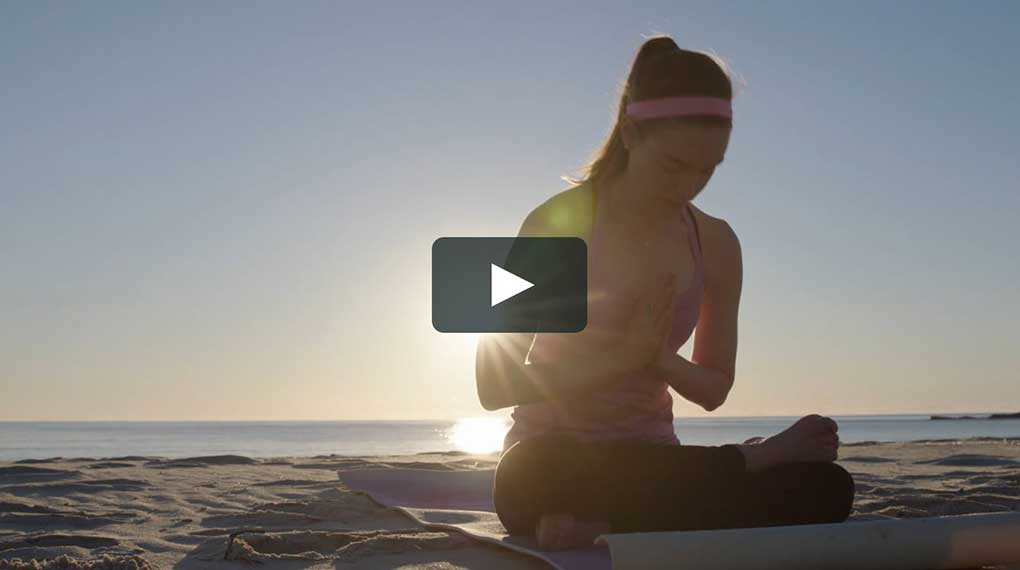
(478, 435)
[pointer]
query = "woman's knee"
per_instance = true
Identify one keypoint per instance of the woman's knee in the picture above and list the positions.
(817, 491)
(508, 489)
(518, 484)
(837, 490)
(523, 464)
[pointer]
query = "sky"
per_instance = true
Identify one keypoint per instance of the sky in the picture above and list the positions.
(224, 211)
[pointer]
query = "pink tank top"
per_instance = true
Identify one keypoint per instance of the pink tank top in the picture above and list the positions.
(635, 408)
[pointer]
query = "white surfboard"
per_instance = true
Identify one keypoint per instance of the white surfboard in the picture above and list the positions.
(963, 541)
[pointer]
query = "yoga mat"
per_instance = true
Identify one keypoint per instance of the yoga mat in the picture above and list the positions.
(964, 541)
(461, 501)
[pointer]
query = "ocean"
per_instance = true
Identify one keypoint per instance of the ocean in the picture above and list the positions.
(38, 440)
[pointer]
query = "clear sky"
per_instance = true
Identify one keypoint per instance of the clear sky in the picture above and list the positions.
(225, 210)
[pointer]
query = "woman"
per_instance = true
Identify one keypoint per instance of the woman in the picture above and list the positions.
(592, 448)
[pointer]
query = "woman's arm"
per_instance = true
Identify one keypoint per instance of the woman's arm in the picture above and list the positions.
(569, 364)
(506, 372)
(704, 386)
(504, 377)
(707, 378)
(512, 369)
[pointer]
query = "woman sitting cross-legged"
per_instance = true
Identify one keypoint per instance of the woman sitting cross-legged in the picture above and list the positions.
(592, 448)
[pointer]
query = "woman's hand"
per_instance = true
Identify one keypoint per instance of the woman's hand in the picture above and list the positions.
(648, 330)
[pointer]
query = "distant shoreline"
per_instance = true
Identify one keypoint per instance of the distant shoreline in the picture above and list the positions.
(31, 440)
(1012, 416)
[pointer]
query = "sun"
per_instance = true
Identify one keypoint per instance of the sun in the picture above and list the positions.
(478, 435)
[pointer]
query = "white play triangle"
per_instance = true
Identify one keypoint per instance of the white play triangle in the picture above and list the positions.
(505, 285)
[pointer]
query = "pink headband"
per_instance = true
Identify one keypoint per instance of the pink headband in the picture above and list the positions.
(679, 107)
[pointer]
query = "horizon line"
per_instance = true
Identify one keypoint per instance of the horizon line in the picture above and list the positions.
(427, 420)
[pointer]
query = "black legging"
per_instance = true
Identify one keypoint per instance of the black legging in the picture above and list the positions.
(645, 487)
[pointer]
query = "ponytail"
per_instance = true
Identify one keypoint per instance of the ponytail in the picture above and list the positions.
(660, 69)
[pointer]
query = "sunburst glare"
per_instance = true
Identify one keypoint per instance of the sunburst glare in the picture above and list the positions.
(478, 435)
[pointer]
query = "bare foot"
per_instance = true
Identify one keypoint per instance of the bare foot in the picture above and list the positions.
(563, 531)
(811, 438)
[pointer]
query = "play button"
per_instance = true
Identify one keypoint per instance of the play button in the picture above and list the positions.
(505, 284)
(525, 284)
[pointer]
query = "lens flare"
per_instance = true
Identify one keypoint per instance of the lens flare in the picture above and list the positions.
(478, 435)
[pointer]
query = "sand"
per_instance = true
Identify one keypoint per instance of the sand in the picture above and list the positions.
(144, 513)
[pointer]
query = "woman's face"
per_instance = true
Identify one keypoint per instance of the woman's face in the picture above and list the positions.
(678, 161)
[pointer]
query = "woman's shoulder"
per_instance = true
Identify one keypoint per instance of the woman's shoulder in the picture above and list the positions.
(719, 246)
(716, 230)
(568, 213)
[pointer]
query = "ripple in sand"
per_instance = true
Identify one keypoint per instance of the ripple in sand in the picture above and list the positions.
(38, 461)
(862, 487)
(337, 464)
(86, 486)
(338, 546)
(211, 532)
(55, 521)
(867, 459)
(109, 465)
(1004, 490)
(17, 507)
(53, 540)
(133, 458)
(886, 490)
(261, 519)
(964, 507)
(71, 563)
(428, 465)
(325, 511)
(294, 483)
(970, 460)
(203, 461)
(1007, 502)
(22, 472)
(902, 512)
(869, 517)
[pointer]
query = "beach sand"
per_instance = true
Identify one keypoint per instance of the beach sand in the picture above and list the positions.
(151, 512)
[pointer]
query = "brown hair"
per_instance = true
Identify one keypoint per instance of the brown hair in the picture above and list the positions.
(660, 69)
